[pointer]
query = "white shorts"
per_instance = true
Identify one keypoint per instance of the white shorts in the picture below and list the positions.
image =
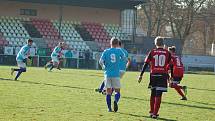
(122, 73)
(55, 59)
(112, 82)
(21, 64)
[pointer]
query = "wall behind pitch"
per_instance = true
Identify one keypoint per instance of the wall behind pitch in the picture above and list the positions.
(9, 8)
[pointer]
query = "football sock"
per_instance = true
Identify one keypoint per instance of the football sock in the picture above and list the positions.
(17, 69)
(20, 72)
(178, 89)
(152, 103)
(102, 86)
(157, 104)
(108, 100)
(52, 66)
(117, 96)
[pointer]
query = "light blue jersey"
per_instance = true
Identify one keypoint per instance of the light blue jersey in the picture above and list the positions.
(111, 59)
(56, 52)
(123, 63)
(23, 53)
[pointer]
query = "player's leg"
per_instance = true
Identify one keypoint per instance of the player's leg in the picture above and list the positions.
(101, 87)
(152, 86)
(157, 103)
(58, 65)
(116, 85)
(48, 64)
(109, 93)
(122, 73)
(152, 101)
(22, 68)
(177, 87)
(160, 86)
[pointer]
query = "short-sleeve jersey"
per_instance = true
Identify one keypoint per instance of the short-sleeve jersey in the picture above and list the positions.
(23, 53)
(56, 52)
(178, 67)
(158, 59)
(124, 61)
(111, 58)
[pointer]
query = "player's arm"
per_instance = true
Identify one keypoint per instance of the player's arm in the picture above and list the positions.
(128, 62)
(102, 60)
(145, 65)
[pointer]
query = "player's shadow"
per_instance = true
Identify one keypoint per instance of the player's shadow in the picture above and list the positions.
(170, 103)
(203, 103)
(6, 79)
(69, 73)
(142, 116)
(55, 85)
(212, 90)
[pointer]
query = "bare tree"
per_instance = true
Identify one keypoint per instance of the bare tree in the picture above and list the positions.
(181, 16)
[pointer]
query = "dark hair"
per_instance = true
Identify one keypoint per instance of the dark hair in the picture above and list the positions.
(159, 41)
(120, 43)
(114, 41)
(173, 49)
(30, 40)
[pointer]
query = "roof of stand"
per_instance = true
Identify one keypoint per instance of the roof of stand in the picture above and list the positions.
(109, 4)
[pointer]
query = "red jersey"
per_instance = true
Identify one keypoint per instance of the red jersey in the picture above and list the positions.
(158, 59)
(178, 68)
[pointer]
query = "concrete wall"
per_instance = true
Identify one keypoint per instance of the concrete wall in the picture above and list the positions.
(9, 8)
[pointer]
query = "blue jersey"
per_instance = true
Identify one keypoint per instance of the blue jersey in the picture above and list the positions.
(56, 52)
(110, 59)
(23, 53)
(123, 63)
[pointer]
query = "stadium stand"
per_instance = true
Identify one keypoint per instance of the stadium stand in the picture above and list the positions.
(13, 30)
(116, 31)
(98, 33)
(70, 35)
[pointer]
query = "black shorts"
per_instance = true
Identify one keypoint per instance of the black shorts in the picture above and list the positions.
(158, 82)
(176, 80)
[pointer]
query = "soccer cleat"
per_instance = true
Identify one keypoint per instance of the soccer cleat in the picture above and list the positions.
(115, 106)
(12, 71)
(184, 88)
(45, 67)
(155, 116)
(110, 110)
(184, 98)
(59, 68)
(150, 115)
(97, 90)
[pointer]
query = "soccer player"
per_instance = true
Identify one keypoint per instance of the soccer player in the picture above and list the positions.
(123, 66)
(21, 59)
(56, 54)
(110, 62)
(158, 59)
(177, 73)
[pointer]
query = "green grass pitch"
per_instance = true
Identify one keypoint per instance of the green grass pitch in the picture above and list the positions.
(68, 95)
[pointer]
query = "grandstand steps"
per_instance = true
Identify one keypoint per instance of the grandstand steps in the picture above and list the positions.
(93, 45)
(32, 30)
(83, 33)
(40, 42)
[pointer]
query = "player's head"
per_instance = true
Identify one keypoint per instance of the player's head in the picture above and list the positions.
(61, 44)
(30, 42)
(114, 42)
(159, 42)
(172, 49)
